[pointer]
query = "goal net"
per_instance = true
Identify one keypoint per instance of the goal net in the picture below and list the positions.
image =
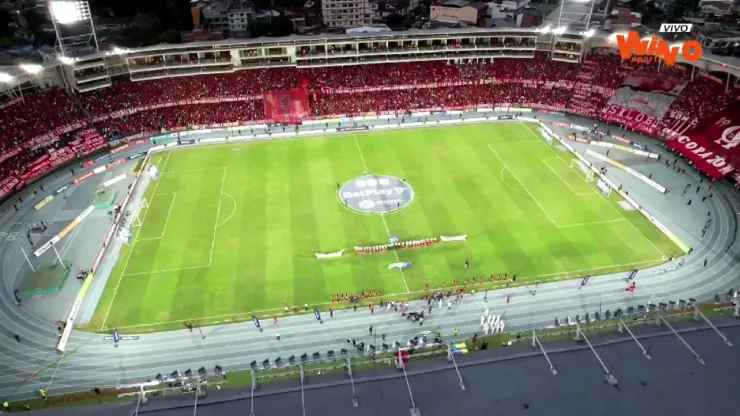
(580, 166)
(137, 215)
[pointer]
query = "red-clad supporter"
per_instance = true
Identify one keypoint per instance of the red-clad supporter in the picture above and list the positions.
(583, 88)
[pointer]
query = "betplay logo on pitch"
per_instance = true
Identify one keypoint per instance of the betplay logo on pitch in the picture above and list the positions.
(640, 50)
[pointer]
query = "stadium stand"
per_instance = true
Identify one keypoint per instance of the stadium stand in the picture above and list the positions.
(44, 122)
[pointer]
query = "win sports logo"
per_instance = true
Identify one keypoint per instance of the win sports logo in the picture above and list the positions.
(639, 50)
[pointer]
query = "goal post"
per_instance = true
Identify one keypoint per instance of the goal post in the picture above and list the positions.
(136, 217)
(578, 165)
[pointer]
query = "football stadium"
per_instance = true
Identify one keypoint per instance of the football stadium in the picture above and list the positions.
(438, 222)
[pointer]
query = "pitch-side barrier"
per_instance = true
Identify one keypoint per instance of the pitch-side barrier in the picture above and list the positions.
(627, 169)
(194, 141)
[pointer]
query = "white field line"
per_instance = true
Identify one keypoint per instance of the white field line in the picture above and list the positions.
(564, 181)
(167, 270)
(522, 184)
(517, 142)
(382, 216)
(172, 204)
(56, 367)
(634, 226)
(610, 204)
(213, 243)
(218, 213)
(232, 212)
(507, 183)
(574, 274)
(125, 265)
(592, 223)
(193, 170)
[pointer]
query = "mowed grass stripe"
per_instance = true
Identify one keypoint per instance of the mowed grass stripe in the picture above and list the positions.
(429, 214)
(286, 210)
(279, 241)
(309, 280)
(367, 272)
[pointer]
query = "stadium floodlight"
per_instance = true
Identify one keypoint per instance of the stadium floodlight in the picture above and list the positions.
(74, 27)
(32, 69)
(560, 30)
(66, 60)
(588, 33)
(69, 12)
(5, 77)
(544, 30)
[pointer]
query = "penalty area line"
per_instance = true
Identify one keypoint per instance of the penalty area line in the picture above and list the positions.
(131, 252)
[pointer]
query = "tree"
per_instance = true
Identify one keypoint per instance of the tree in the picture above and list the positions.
(33, 19)
(394, 19)
(257, 27)
(681, 8)
(5, 20)
(280, 26)
(169, 36)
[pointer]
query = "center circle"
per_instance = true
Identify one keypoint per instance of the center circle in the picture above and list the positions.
(376, 194)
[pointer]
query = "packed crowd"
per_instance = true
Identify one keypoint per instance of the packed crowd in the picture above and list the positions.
(535, 82)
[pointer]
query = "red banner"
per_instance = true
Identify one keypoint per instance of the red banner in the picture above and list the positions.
(61, 156)
(7, 185)
(653, 83)
(713, 144)
(632, 119)
(8, 155)
(37, 168)
(87, 164)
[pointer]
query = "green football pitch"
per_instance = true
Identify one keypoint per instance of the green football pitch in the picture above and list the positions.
(231, 230)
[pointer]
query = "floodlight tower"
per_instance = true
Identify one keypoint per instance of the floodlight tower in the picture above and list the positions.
(575, 14)
(74, 27)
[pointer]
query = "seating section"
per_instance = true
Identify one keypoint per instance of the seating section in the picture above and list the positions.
(45, 121)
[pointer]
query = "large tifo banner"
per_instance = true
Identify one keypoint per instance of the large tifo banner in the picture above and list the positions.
(713, 144)
(642, 101)
(286, 106)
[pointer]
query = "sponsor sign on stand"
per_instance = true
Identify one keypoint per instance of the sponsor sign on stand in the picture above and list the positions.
(62, 189)
(119, 148)
(621, 139)
(358, 128)
(83, 178)
(116, 163)
(713, 144)
(115, 180)
(137, 156)
(43, 202)
(117, 337)
(87, 164)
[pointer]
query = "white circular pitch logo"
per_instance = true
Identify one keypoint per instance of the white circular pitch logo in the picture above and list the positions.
(376, 194)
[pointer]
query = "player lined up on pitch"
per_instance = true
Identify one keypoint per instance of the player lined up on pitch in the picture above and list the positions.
(356, 298)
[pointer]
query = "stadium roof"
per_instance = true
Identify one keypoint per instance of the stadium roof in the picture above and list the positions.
(508, 381)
